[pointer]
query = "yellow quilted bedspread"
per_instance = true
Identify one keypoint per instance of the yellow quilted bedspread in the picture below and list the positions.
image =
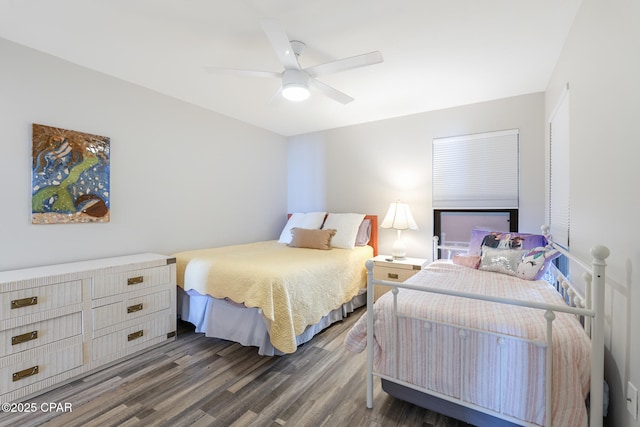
(294, 287)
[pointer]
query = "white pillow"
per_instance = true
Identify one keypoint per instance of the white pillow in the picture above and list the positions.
(346, 226)
(311, 220)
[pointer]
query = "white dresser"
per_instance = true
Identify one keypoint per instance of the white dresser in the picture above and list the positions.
(62, 321)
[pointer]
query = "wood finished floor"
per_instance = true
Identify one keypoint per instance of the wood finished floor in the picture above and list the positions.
(200, 381)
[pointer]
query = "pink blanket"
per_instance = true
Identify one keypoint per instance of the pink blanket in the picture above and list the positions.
(497, 371)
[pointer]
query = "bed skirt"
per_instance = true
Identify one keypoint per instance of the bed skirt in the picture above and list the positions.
(218, 318)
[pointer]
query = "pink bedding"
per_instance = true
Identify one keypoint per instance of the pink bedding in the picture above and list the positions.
(467, 365)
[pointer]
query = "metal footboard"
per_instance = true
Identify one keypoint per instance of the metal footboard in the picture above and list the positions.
(590, 309)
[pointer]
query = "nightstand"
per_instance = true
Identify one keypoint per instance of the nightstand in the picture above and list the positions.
(394, 270)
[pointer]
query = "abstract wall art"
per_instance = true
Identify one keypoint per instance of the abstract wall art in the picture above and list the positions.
(70, 177)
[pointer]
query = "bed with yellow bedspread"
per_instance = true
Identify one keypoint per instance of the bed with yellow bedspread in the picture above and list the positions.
(292, 288)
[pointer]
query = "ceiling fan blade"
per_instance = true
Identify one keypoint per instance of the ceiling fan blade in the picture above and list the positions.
(276, 98)
(280, 42)
(237, 72)
(345, 64)
(332, 93)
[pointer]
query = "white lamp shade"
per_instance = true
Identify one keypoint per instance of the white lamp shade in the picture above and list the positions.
(399, 217)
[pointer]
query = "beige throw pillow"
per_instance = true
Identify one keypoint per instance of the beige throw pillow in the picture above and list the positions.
(312, 239)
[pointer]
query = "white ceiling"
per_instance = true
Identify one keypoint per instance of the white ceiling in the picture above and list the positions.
(437, 53)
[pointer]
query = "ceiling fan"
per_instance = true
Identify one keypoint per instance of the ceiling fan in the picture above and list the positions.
(295, 79)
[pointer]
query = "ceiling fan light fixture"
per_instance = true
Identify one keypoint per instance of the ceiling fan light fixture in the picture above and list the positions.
(295, 92)
(295, 85)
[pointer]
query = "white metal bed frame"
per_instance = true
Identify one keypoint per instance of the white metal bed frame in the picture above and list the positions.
(590, 309)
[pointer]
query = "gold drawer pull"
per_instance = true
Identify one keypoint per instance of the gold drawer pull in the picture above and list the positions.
(392, 275)
(24, 302)
(134, 308)
(19, 339)
(135, 335)
(135, 280)
(26, 373)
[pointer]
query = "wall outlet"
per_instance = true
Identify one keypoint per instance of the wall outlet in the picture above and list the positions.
(632, 400)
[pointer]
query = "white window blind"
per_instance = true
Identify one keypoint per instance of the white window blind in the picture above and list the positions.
(476, 171)
(559, 202)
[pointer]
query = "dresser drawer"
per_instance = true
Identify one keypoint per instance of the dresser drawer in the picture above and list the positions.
(131, 308)
(37, 334)
(130, 338)
(113, 284)
(392, 274)
(394, 270)
(37, 365)
(34, 300)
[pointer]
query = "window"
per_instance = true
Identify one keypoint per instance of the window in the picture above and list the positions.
(453, 226)
(475, 184)
(476, 171)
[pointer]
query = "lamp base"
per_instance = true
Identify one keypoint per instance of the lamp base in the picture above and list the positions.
(399, 250)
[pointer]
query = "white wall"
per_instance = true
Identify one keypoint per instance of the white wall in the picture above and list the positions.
(364, 168)
(601, 63)
(181, 177)
(306, 168)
